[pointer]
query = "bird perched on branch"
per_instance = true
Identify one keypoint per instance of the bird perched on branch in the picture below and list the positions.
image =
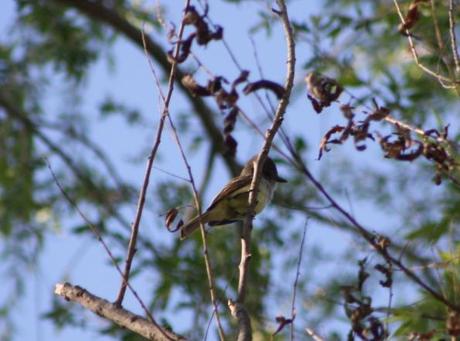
(231, 204)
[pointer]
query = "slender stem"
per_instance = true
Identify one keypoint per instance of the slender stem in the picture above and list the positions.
(442, 80)
(297, 275)
(148, 170)
(101, 240)
(269, 136)
(453, 36)
(370, 238)
(209, 271)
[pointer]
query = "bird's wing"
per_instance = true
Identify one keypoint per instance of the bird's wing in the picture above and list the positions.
(233, 187)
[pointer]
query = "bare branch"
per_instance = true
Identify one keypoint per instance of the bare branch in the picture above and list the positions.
(151, 159)
(297, 275)
(269, 136)
(313, 334)
(444, 81)
(106, 248)
(453, 36)
(244, 322)
(196, 199)
(114, 313)
(373, 241)
(98, 11)
(166, 101)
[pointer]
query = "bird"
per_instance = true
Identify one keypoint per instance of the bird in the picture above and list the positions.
(231, 203)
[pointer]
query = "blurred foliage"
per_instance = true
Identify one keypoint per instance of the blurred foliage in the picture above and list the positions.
(355, 41)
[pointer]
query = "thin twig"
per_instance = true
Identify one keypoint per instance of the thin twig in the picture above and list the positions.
(370, 238)
(22, 117)
(151, 159)
(294, 156)
(313, 334)
(255, 126)
(209, 271)
(96, 232)
(97, 10)
(269, 136)
(269, 112)
(261, 75)
(437, 31)
(300, 166)
(439, 77)
(297, 275)
(453, 36)
(171, 174)
(390, 302)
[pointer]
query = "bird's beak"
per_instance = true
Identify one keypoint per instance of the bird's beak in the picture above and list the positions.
(280, 179)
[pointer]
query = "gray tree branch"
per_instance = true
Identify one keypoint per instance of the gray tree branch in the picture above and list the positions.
(117, 315)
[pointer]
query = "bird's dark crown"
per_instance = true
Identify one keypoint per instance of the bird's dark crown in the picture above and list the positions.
(269, 170)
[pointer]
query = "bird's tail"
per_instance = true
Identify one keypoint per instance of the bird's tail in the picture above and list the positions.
(187, 229)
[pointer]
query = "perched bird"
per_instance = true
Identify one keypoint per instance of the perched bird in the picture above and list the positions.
(231, 204)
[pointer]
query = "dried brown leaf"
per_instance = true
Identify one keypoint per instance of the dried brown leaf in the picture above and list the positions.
(276, 88)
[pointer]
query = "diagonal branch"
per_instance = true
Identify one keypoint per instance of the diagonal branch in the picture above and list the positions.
(209, 271)
(370, 238)
(151, 159)
(101, 240)
(114, 313)
(97, 11)
(297, 275)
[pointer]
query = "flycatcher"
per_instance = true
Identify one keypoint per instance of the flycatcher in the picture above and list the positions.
(231, 204)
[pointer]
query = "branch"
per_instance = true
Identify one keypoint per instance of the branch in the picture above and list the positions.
(453, 37)
(107, 250)
(243, 317)
(294, 290)
(296, 161)
(370, 238)
(244, 322)
(151, 159)
(313, 335)
(114, 313)
(166, 101)
(86, 180)
(441, 79)
(109, 16)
